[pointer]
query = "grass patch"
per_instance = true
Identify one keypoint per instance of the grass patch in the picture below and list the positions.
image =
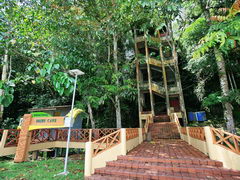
(44, 169)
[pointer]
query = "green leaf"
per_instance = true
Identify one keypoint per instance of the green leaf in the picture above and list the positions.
(42, 72)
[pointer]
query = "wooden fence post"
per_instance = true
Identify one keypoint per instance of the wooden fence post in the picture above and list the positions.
(24, 140)
(4, 138)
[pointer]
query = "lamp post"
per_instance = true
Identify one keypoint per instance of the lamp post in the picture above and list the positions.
(75, 73)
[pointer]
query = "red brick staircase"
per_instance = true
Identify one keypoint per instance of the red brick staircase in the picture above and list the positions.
(165, 157)
(164, 130)
(161, 118)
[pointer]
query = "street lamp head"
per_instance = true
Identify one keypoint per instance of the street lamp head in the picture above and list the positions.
(75, 72)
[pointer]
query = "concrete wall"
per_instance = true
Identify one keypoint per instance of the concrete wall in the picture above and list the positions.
(230, 160)
(132, 143)
(198, 144)
(217, 152)
(110, 154)
(39, 146)
(184, 137)
(105, 156)
(63, 144)
(7, 151)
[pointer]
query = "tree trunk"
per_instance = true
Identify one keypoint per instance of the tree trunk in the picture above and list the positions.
(117, 100)
(228, 114)
(138, 77)
(91, 115)
(4, 78)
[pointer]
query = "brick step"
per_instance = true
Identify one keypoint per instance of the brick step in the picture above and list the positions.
(102, 177)
(165, 136)
(164, 130)
(161, 118)
(174, 162)
(111, 177)
(207, 170)
(167, 148)
(135, 174)
(155, 174)
(149, 154)
(162, 123)
(140, 176)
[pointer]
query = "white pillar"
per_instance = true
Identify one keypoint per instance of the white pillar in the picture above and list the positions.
(88, 170)
(140, 135)
(188, 136)
(123, 142)
(209, 141)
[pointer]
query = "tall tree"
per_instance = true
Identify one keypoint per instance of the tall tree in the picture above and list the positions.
(221, 38)
(117, 100)
(4, 78)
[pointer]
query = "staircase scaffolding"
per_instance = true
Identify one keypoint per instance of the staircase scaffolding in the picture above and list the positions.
(158, 77)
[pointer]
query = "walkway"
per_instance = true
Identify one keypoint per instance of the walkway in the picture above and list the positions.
(164, 159)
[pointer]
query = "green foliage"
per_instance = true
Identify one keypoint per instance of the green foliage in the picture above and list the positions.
(10, 123)
(221, 35)
(234, 96)
(216, 98)
(63, 84)
(8, 90)
(212, 99)
(47, 38)
(194, 32)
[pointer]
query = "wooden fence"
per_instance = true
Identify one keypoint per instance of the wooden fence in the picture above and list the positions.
(12, 138)
(106, 142)
(77, 135)
(216, 143)
(41, 136)
(226, 140)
